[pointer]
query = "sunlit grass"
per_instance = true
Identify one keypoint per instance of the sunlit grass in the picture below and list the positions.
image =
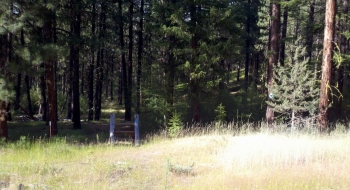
(109, 111)
(218, 158)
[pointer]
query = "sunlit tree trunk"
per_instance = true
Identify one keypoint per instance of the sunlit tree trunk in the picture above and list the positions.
(328, 45)
(273, 58)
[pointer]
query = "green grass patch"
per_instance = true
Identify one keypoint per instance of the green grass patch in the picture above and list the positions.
(211, 157)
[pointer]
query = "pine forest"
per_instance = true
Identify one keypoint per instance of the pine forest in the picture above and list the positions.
(175, 62)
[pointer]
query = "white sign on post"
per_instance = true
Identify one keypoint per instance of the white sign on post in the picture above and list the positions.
(111, 127)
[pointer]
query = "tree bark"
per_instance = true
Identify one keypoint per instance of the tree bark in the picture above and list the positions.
(92, 65)
(127, 116)
(328, 45)
(18, 91)
(9, 57)
(3, 104)
(284, 35)
(120, 85)
(128, 97)
(19, 78)
(247, 47)
(29, 101)
(70, 89)
(111, 81)
(3, 121)
(273, 58)
(43, 101)
(139, 59)
(100, 62)
(49, 77)
(170, 77)
(75, 50)
(98, 86)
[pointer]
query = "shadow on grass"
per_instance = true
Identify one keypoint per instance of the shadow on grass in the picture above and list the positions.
(90, 132)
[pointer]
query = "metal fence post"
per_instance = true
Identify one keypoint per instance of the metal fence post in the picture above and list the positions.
(111, 127)
(137, 130)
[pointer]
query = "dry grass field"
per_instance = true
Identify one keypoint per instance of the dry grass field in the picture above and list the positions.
(208, 161)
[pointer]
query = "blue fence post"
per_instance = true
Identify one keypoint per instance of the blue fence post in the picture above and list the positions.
(111, 127)
(137, 130)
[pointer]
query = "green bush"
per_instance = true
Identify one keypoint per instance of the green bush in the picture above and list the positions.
(220, 113)
(174, 125)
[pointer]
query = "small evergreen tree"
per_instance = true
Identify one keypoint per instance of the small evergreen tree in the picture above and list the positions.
(295, 90)
(175, 126)
(220, 113)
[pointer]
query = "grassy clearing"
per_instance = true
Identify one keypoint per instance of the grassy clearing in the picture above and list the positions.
(202, 159)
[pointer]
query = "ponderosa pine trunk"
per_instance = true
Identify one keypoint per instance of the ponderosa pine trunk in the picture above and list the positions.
(273, 57)
(29, 101)
(43, 100)
(120, 85)
(9, 60)
(284, 35)
(49, 77)
(98, 88)
(170, 77)
(100, 62)
(70, 89)
(18, 90)
(3, 104)
(127, 116)
(328, 45)
(92, 65)
(19, 77)
(139, 59)
(111, 81)
(3, 120)
(247, 47)
(128, 97)
(75, 50)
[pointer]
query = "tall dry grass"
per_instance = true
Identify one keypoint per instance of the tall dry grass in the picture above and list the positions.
(214, 158)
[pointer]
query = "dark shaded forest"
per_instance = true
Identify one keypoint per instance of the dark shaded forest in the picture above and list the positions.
(279, 61)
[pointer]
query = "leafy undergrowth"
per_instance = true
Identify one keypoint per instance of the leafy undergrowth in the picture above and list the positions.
(203, 160)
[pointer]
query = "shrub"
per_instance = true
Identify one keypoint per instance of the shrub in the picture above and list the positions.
(174, 126)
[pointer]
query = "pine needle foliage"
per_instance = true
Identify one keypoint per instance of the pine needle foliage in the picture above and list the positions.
(5, 93)
(220, 113)
(295, 90)
(175, 126)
